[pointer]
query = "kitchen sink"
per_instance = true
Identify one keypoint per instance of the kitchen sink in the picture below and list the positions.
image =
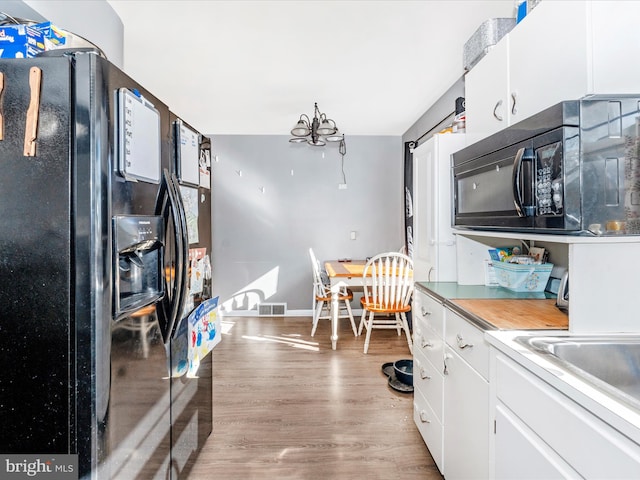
(609, 363)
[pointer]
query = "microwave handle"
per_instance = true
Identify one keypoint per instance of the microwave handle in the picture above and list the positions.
(522, 155)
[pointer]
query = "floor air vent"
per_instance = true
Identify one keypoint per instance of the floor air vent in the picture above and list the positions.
(272, 309)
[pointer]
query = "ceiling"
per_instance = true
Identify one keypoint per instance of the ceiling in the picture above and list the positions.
(252, 67)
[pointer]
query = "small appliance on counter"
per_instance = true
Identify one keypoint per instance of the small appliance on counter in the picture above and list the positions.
(563, 293)
(558, 285)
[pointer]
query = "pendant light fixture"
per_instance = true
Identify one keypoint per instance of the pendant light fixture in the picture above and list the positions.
(317, 131)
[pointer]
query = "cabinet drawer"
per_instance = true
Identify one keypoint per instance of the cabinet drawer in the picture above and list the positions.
(429, 427)
(430, 311)
(519, 452)
(468, 342)
(428, 380)
(592, 447)
(427, 342)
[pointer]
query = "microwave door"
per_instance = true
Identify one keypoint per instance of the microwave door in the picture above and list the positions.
(485, 194)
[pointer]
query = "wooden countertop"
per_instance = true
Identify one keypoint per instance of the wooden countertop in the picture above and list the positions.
(516, 314)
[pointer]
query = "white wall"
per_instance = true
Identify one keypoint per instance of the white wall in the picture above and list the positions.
(261, 240)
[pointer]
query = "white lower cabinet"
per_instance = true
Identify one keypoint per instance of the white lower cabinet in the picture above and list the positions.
(451, 390)
(429, 427)
(466, 420)
(428, 380)
(541, 433)
(521, 454)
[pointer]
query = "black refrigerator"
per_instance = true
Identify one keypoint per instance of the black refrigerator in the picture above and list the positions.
(94, 234)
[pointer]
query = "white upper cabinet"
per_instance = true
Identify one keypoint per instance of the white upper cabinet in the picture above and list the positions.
(562, 50)
(486, 92)
(548, 59)
(615, 46)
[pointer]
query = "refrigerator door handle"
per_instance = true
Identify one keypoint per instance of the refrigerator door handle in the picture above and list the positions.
(169, 204)
(182, 252)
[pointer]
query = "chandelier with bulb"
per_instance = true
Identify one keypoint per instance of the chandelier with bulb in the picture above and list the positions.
(316, 131)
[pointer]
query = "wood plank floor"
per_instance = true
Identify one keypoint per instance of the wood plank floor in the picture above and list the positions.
(286, 406)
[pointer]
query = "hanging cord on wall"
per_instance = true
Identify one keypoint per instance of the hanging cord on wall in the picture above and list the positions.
(342, 148)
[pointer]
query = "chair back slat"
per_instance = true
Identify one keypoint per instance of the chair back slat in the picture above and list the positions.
(389, 281)
(319, 288)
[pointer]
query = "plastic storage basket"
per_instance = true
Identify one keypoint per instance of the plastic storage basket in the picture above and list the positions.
(522, 278)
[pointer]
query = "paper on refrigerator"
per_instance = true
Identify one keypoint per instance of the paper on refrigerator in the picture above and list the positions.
(195, 337)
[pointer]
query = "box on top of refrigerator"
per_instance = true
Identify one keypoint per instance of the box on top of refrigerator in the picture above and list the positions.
(53, 36)
(20, 41)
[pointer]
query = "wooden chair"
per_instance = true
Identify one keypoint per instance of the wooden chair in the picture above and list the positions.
(322, 298)
(388, 280)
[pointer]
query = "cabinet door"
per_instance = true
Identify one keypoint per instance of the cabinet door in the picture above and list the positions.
(519, 453)
(616, 47)
(429, 427)
(434, 255)
(423, 255)
(486, 90)
(548, 58)
(466, 420)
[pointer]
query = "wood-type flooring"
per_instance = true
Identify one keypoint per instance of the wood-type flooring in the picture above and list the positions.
(287, 406)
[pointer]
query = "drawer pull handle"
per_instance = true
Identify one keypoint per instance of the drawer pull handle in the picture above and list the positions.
(445, 369)
(461, 343)
(425, 313)
(423, 374)
(426, 343)
(497, 115)
(423, 417)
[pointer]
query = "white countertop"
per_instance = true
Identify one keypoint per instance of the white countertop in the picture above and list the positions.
(619, 415)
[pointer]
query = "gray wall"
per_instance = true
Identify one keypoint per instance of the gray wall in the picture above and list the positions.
(261, 238)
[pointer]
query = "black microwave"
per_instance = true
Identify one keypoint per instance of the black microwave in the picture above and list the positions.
(572, 168)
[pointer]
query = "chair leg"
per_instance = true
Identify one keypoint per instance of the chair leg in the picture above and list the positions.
(313, 307)
(369, 328)
(353, 323)
(143, 335)
(316, 316)
(405, 325)
(362, 320)
(398, 324)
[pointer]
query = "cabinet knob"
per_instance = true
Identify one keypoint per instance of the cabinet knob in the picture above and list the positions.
(514, 99)
(423, 374)
(425, 312)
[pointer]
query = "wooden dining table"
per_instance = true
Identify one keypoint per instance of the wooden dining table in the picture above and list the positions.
(342, 274)
(349, 272)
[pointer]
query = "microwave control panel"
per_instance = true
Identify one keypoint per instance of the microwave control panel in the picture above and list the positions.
(549, 185)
